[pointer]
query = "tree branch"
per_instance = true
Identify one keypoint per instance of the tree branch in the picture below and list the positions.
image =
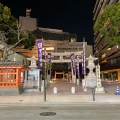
(16, 43)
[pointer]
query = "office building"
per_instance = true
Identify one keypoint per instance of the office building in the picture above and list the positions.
(109, 57)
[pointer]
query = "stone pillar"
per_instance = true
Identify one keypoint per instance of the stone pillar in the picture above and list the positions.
(99, 88)
(25, 75)
(73, 78)
(78, 82)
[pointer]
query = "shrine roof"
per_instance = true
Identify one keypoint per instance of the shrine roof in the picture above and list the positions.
(11, 63)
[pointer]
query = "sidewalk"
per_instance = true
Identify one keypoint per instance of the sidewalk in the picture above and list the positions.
(65, 96)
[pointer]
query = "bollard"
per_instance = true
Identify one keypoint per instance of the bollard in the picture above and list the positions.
(93, 92)
(78, 82)
(72, 89)
(44, 93)
(55, 90)
(44, 90)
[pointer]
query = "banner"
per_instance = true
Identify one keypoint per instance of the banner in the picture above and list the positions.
(40, 45)
(49, 61)
(83, 60)
(77, 66)
(73, 63)
(49, 57)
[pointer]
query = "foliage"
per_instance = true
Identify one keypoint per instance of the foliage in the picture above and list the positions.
(45, 67)
(108, 24)
(12, 34)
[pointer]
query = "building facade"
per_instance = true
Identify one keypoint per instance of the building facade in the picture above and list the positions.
(109, 57)
(54, 40)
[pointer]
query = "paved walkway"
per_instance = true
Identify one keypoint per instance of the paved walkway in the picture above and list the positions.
(65, 96)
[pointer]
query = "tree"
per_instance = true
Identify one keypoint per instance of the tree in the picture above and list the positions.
(11, 33)
(45, 67)
(108, 24)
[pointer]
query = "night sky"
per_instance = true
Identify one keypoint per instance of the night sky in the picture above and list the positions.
(75, 16)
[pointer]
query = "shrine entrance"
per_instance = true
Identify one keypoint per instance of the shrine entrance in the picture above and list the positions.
(64, 63)
(33, 79)
(62, 75)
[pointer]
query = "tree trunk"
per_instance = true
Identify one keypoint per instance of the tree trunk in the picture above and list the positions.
(5, 54)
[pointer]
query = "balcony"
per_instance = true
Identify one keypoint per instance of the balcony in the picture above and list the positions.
(102, 46)
(109, 67)
(109, 53)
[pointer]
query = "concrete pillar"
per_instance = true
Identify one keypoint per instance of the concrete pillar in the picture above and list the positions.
(25, 75)
(78, 82)
(73, 78)
(42, 88)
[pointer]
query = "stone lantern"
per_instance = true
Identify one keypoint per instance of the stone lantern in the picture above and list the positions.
(33, 62)
(91, 81)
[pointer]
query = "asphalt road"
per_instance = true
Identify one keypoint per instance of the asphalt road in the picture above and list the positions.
(102, 111)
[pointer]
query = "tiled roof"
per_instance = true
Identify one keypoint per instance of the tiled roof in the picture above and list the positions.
(12, 63)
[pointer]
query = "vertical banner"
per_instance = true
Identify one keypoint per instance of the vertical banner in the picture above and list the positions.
(73, 63)
(49, 61)
(40, 45)
(77, 67)
(83, 60)
(49, 57)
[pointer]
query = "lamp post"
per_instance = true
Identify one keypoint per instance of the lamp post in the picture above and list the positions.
(45, 76)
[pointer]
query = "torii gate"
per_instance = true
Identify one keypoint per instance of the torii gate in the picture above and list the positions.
(62, 60)
(59, 60)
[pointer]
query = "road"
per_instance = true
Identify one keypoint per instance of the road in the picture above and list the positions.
(82, 111)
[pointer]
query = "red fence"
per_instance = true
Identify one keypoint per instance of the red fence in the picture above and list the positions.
(10, 77)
